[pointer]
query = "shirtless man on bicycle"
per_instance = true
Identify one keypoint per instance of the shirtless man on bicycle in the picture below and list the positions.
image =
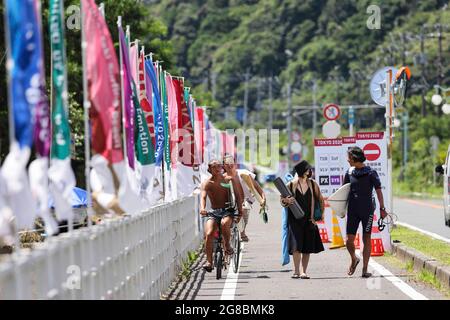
(219, 196)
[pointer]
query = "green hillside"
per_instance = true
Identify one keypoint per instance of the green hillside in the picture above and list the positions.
(327, 42)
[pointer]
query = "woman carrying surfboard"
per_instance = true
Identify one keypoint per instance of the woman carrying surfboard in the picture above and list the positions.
(303, 233)
(361, 206)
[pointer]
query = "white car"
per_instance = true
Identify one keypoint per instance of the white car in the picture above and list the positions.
(444, 169)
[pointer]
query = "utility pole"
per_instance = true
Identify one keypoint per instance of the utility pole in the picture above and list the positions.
(314, 92)
(422, 67)
(270, 104)
(247, 76)
(439, 67)
(258, 101)
(289, 124)
(213, 85)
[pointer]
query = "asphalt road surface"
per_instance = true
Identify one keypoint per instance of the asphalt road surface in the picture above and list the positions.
(427, 215)
(261, 275)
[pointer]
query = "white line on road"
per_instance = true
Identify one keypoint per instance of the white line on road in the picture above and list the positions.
(229, 289)
(399, 283)
(428, 233)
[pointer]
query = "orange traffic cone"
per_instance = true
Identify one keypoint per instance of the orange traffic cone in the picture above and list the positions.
(337, 241)
(376, 240)
(323, 232)
(357, 241)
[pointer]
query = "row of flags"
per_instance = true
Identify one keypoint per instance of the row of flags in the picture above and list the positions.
(147, 140)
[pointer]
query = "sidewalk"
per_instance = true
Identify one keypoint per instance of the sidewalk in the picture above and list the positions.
(261, 275)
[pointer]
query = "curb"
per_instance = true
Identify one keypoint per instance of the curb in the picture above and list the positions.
(422, 262)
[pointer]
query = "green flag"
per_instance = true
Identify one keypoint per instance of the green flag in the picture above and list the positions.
(60, 174)
(60, 123)
(166, 120)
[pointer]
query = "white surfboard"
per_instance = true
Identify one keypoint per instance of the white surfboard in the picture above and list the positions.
(338, 200)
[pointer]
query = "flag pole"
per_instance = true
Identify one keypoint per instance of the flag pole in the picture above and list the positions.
(119, 25)
(163, 166)
(86, 106)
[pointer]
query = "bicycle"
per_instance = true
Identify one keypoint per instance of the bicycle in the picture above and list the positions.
(219, 258)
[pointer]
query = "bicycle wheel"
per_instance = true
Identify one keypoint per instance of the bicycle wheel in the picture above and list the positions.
(219, 264)
(237, 249)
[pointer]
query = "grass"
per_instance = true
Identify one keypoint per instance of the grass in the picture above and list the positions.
(430, 247)
(429, 278)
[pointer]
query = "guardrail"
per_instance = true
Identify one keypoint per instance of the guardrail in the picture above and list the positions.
(135, 257)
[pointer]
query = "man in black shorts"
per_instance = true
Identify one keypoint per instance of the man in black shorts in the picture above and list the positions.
(219, 196)
(361, 206)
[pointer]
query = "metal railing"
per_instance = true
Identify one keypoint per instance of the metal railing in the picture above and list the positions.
(136, 257)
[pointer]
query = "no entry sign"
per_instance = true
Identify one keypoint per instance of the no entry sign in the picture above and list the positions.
(332, 112)
(372, 151)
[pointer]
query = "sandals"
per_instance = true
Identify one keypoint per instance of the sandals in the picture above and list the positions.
(244, 238)
(366, 275)
(208, 268)
(304, 276)
(352, 268)
(295, 276)
(229, 252)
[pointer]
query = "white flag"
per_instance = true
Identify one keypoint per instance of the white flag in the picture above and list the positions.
(39, 188)
(17, 189)
(62, 183)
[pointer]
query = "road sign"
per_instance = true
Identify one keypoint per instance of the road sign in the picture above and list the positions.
(351, 116)
(331, 129)
(372, 151)
(378, 89)
(296, 157)
(296, 136)
(331, 112)
(296, 147)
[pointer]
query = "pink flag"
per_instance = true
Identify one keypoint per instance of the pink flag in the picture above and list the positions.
(134, 62)
(200, 133)
(173, 117)
(103, 84)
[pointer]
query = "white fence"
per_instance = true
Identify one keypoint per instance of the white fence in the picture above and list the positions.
(135, 257)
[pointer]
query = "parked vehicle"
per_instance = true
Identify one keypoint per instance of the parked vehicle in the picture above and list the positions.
(444, 169)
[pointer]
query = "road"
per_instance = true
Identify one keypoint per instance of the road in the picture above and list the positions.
(261, 275)
(427, 215)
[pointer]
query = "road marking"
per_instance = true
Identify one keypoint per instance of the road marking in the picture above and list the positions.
(428, 233)
(424, 204)
(399, 283)
(229, 288)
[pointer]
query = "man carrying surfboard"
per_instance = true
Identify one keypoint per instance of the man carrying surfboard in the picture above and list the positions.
(361, 206)
(217, 189)
(251, 190)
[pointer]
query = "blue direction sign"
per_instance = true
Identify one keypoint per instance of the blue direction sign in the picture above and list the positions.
(351, 116)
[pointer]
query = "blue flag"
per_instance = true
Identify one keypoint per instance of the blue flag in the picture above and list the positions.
(24, 66)
(157, 113)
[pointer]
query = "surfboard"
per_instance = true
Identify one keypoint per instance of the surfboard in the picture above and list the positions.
(338, 200)
(249, 183)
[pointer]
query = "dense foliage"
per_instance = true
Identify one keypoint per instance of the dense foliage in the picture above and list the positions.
(324, 41)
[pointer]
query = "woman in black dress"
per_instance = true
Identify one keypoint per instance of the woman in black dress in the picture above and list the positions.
(303, 234)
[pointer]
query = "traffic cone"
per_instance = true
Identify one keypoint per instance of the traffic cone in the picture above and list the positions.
(376, 240)
(323, 232)
(337, 241)
(357, 241)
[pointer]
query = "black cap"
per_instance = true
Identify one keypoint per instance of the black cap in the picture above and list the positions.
(302, 167)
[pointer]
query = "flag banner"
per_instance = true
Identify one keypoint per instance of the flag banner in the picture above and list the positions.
(186, 178)
(7, 224)
(145, 98)
(39, 188)
(38, 169)
(62, 178)
(104, 185)
(17, 187)
(167, 175)
(157, 112)
(102, 69)
(128, 99)
(133, 56)
(153, 95)
(28, 105)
